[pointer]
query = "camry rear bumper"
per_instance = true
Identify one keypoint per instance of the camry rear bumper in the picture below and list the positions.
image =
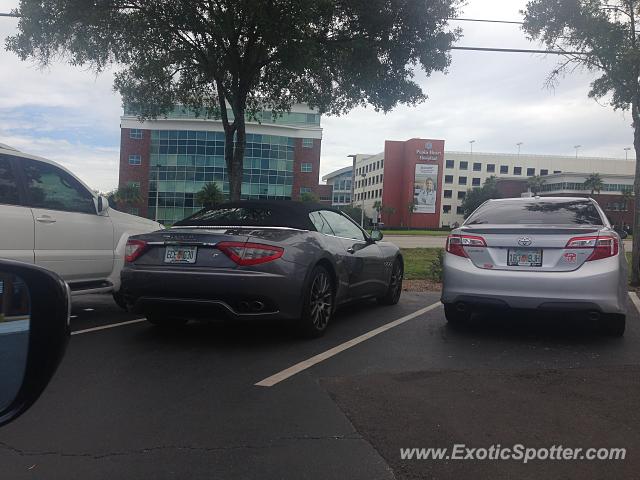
(214, 292)
(594, 286)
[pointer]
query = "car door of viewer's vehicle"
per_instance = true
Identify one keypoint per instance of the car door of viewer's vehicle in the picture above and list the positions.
(70, 237)
(16, 230)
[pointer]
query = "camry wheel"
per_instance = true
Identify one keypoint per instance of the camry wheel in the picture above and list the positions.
(318, 303)
(164, 321)
(394, 290)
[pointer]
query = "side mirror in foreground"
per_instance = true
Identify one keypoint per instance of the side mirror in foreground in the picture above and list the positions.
(34, 331)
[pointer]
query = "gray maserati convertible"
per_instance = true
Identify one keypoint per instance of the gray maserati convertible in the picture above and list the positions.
(259, 259)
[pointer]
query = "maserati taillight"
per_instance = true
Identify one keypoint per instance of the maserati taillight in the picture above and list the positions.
(134, 249)
(250, 253)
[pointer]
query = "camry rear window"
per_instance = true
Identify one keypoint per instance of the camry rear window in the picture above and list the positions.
(237, 216)
(536, 213)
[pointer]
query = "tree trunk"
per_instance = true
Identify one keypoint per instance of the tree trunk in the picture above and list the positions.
(635, 257)
(235, 175)
(229, 133)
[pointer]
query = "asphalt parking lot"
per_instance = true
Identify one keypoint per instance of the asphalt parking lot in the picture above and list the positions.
(134, 401)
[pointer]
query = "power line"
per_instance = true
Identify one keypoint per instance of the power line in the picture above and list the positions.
(517, 50)
(458, 19)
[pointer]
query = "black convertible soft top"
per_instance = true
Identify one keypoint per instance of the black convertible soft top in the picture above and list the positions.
(263, 213)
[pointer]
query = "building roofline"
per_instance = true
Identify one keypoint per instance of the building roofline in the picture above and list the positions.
(531, 155)
(335, 173)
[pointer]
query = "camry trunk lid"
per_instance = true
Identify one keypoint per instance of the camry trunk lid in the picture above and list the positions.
(530, 247)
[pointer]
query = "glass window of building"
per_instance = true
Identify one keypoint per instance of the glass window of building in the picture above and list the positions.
(557, 171)
(446, 208)
(306, 167)
(477, 167)
(544, 171)
(461, 195)
(305, 190)
(135, 133)
(135, 160)
(464, 165)
(134, 211)
(475, 182)
(531, 172)
(448, 179)
(462, 180)
(134, 184)
(517, 170)
(449, 164)
(504, 169)
(307, 142)
(491, 167)
(448, 194)
(460, 210)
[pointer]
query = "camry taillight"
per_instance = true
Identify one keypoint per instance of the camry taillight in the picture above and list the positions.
(134, 249)
(456, 243)
(603, 247)
(250, 253)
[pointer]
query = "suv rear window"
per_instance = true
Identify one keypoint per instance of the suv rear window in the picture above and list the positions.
(539, 212)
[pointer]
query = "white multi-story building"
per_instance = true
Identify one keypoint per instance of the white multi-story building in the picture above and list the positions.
(342, 187)
(464, 170)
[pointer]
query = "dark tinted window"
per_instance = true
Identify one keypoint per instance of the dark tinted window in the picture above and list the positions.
(448, 179)
(464, 165)
(450, 164)
(491, 168)
(8, 185)
(477, 167)
(52, 188)
(504, 168)
(517, 170)
(570, 212)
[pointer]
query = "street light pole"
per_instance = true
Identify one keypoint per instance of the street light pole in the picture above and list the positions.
(626, 153)
(471, 142)
(577, 147)
(519, 144)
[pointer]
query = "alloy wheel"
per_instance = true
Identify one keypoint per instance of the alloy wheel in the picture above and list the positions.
(321, 301)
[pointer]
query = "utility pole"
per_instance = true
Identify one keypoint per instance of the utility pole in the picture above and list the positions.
(577, 147)
(364, 176)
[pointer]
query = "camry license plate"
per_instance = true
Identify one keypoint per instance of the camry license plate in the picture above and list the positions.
(524, 257)
(180, 254)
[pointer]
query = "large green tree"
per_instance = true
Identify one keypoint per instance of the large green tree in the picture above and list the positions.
(477, 196)
(230, 59)
(601, 36)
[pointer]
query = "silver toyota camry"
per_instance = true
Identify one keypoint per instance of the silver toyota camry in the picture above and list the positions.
(547, 254)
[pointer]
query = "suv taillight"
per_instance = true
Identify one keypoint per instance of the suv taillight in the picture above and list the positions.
(603, 247)
(456, 243)
(250, 253)
(134, 249)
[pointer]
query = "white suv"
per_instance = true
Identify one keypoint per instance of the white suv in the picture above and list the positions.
(51, 218)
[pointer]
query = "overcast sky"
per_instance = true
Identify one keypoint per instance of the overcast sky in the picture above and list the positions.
(71, 116)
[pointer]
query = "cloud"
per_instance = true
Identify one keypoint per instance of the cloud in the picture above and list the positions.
(498, 99)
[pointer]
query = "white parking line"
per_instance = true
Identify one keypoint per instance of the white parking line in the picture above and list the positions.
(310, 362)
(636, 301)
(105, 327)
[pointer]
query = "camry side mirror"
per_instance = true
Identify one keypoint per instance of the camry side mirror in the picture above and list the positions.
(34, 331)
(376, 235)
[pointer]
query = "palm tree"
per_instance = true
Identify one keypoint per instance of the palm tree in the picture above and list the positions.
(535, 184)
(210, 195)
(594, 183)
(126, 195)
